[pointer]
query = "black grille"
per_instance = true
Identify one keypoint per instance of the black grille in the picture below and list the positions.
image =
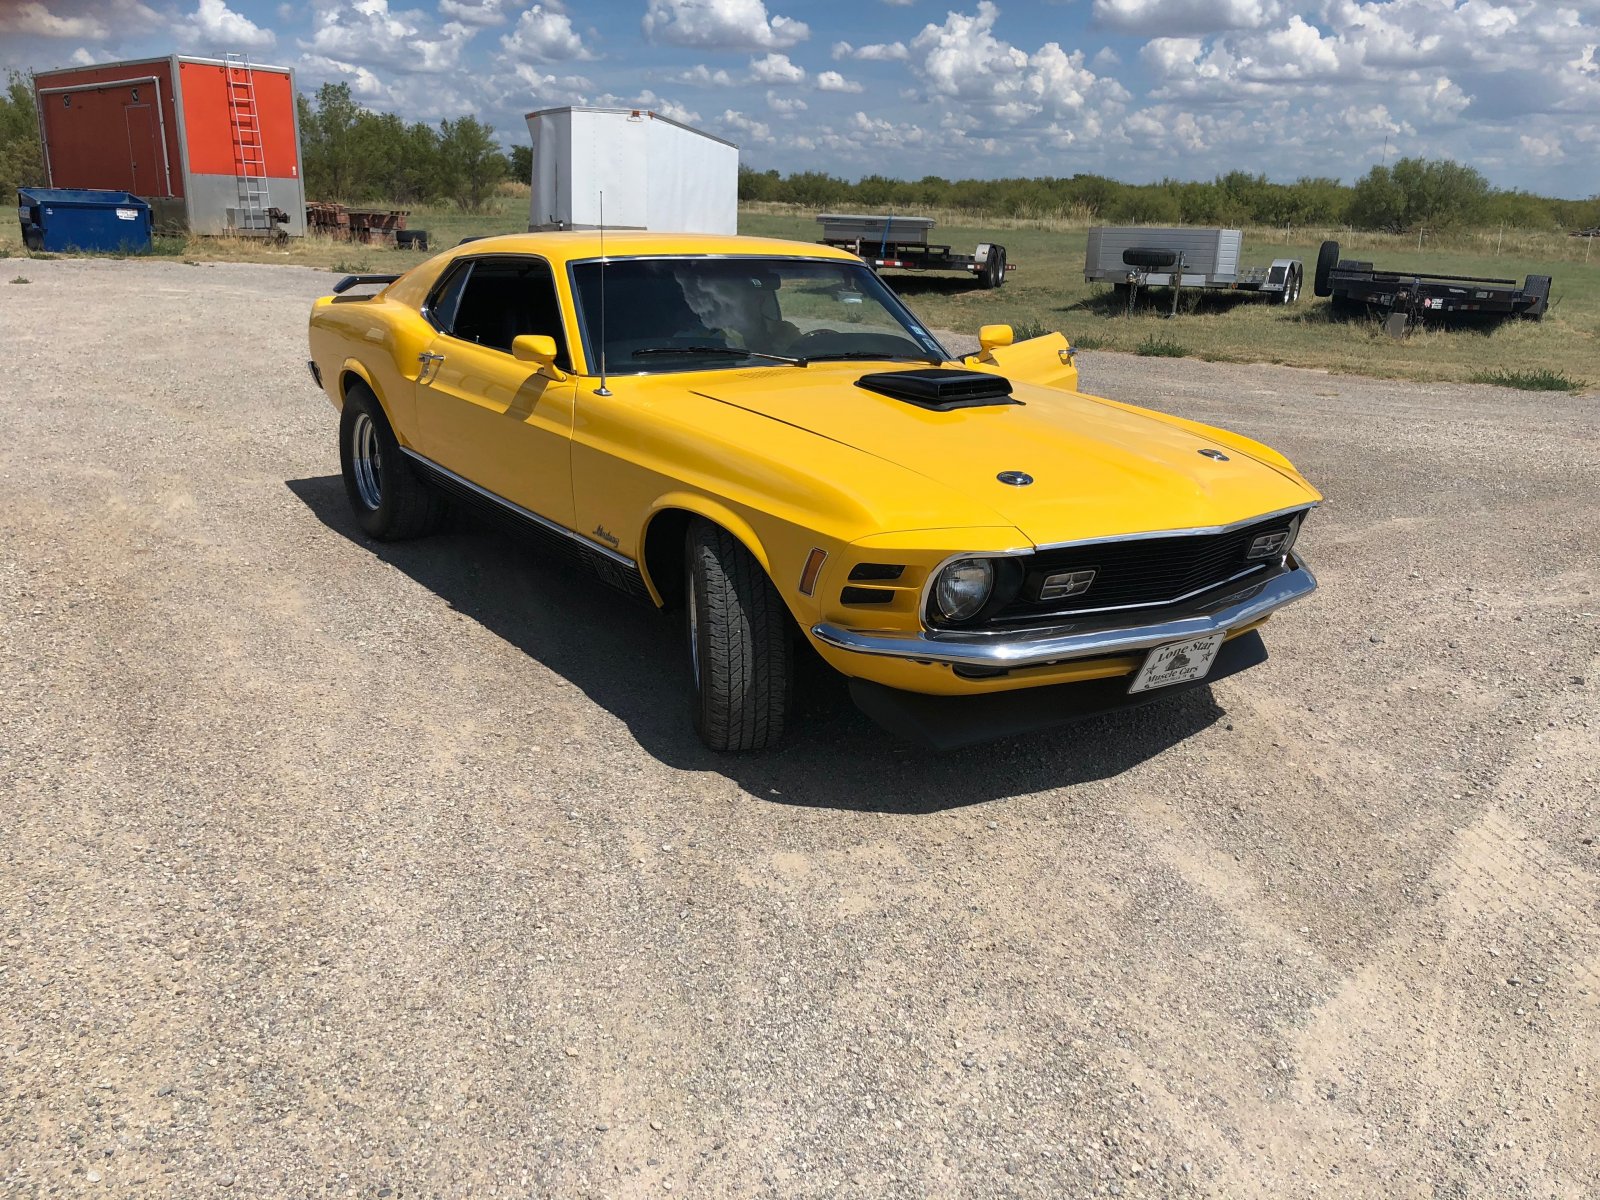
(1149, 571)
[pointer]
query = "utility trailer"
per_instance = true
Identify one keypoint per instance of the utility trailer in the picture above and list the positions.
(901, 244)
(1410, 298)
(1130, 257)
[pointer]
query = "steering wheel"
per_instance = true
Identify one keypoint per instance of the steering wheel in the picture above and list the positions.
(813, 333)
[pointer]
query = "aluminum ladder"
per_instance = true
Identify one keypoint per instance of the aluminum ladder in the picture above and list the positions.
(249, 158)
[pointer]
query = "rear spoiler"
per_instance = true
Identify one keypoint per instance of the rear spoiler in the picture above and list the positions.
(350, 281)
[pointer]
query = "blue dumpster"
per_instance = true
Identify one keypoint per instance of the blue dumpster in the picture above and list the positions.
(83, 219)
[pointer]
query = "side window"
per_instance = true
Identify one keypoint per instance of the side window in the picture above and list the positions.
(507, 297)
(446, 298)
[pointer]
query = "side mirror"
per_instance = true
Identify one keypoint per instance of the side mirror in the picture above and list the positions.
(991, 336)
(538, 348)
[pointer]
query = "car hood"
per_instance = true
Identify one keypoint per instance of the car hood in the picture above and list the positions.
(1097, 469)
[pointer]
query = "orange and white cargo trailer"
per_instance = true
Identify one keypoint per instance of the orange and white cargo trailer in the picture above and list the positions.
(212, 144)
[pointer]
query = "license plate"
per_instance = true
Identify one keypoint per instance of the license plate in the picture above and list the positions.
(1177, 662)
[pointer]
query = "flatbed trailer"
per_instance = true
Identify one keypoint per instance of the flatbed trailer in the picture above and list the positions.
(1130, 257)
(1418, 297)
(901, 244)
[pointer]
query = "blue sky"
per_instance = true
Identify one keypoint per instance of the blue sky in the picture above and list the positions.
(1136, 89)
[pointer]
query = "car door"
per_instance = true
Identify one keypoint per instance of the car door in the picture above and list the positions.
(481, 413)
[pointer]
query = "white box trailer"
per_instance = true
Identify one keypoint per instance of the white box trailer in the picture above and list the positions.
(1133, 256)
(655, 173)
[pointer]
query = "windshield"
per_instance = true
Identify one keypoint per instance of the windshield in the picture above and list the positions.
(696, 314)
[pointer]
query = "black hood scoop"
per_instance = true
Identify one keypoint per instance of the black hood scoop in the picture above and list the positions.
(940, 388)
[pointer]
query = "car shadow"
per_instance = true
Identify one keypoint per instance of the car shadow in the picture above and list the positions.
(629, 659)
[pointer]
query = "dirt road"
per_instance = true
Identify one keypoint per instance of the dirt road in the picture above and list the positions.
(332, 868)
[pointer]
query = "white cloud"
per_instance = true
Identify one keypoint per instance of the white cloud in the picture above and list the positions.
(1544, 149)
(482, 12)
(701, 75)
(36, 20)
(1106, 57)
(721, 24)
(84, 57)
(550, 89)
(785, 105)
(878, 52)
(367, 32)
(964, 63)
(1172, 17)
(213, 25)
(776, 68)
(364, 84)
(832, 81)
(1371, 119)
(752, 129)
(544, 34)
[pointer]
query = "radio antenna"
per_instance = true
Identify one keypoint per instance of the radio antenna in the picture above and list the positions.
(603, 389)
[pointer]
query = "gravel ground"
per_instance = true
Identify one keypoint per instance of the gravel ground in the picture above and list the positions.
(332, 868)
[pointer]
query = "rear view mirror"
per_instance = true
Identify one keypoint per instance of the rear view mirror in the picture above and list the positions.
(538, 348)
(991, 336)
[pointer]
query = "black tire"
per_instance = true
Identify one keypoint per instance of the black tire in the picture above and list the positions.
(740, 652)
(390, 501)
(1327, 258)
(997, 260)
(1151, 258)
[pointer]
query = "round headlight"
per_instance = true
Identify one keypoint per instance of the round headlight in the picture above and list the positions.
(963, 587)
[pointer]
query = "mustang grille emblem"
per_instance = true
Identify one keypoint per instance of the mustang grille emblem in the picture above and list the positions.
(1067, 583)
(1268, 544)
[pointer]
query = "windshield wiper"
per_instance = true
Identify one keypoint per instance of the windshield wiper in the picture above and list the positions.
(869, 356)
(718, 351)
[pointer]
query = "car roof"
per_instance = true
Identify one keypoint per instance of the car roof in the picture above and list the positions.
(572, 244)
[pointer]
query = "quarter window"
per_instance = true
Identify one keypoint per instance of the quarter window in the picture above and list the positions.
(446, 298)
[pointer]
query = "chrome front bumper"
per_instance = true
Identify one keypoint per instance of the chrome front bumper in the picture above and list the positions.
(1063, 643)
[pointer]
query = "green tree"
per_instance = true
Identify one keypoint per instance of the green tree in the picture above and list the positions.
(522, 164)
(21, 161)
(328, 144)
(1417, 191)
(470, 160)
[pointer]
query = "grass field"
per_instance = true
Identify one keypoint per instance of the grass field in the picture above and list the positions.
(1047, 292)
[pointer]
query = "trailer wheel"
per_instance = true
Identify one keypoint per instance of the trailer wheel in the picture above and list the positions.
(1291, 288)
(1327, 257)
(994, 270)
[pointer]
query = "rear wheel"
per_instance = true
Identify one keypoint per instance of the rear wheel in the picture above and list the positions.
(1291, 288)
(740, 653)
(1327, 259)
(390, 502)
(993, 274)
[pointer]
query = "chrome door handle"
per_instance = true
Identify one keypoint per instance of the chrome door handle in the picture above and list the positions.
(430, 363)
(427, 357)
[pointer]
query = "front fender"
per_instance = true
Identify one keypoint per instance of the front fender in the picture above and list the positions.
(712, 510)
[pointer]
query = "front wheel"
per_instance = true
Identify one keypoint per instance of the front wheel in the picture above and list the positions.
(740, 654)
(390, 502)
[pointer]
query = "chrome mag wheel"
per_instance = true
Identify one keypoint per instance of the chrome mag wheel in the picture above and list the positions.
(366, 461)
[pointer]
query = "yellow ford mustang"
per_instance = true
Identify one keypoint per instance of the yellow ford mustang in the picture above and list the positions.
(760, 436)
